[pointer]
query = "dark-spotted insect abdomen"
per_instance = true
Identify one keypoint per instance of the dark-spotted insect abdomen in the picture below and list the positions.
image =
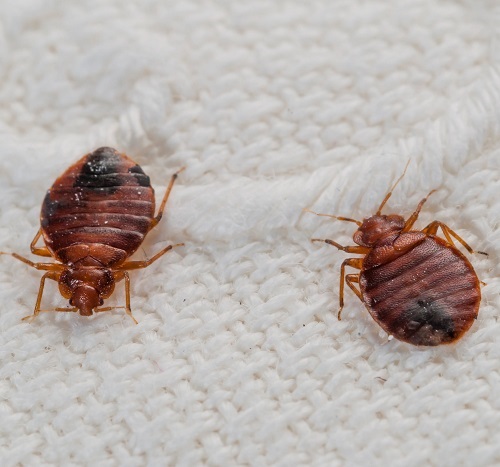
(98, 212)
(428, 295)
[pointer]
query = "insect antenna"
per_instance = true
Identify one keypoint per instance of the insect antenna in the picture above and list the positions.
(340, 218)
(388, 195)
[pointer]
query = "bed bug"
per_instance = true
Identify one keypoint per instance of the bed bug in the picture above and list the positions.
(416, 285)
(93, 218)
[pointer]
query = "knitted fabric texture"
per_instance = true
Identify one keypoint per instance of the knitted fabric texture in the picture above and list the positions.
(273, 107)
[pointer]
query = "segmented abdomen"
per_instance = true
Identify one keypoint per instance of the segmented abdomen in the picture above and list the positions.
(428, 296)
(99, 210)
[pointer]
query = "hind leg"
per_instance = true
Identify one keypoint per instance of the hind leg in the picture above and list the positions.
(350, 279)
(39, 250)
(433, 227)
(165, 199)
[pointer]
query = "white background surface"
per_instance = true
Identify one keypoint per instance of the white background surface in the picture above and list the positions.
(238, 358)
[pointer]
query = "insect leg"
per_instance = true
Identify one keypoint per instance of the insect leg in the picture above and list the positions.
(119, 275)
(108, 308)
(40, 251)
(39, 266)
(48, 275)
(128, 310)
(144, 264)
(165, 198)
(350, 280)
(355, 263)
(362, 250)
(65, 310)
(412, 219)
(432, 228)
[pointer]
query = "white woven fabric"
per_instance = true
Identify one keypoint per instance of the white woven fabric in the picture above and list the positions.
(238, 358)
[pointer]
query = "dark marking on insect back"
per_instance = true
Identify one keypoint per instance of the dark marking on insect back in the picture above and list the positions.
(426, 323)
(49, 209)
(100, 170)
(139, 175)
(103, 161)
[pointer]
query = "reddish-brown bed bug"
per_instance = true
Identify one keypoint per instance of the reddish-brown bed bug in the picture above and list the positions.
(417, 286)
(94, 217)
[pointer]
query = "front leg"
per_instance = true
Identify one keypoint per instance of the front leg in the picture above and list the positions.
(48, 275)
